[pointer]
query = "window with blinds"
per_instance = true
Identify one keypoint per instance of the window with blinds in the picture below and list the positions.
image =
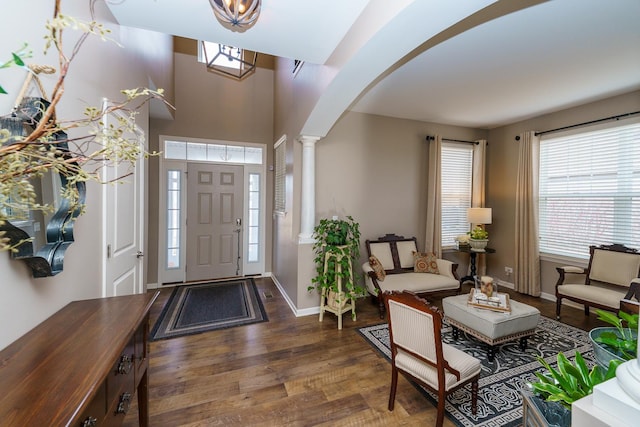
(456, 165)
(589, 190)
(280, 176)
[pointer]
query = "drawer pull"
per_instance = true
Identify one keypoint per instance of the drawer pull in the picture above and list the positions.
(125, 365)
(125, 402)
(90, 422)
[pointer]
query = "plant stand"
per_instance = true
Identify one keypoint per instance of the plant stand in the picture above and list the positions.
(339, 302)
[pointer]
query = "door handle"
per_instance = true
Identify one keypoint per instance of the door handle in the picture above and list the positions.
(139, 254)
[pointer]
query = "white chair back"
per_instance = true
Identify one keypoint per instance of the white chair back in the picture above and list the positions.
(615, 267)
(413, 330)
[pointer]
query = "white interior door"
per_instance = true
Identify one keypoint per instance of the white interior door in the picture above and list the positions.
(123, 227)
(214, 221)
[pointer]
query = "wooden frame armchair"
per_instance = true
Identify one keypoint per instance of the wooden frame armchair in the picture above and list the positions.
(417, 351)
(394, 256)
(606, 280)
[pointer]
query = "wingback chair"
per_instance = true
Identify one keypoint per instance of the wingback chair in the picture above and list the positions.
(607, 279)
(417, 351)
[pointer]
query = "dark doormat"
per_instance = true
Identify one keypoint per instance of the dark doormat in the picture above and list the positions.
(194, 309)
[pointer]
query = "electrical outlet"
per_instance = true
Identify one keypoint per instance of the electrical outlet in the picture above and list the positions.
(508, 270)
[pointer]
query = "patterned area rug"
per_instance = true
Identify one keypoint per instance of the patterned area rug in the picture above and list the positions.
(194, 309)
(499, 398)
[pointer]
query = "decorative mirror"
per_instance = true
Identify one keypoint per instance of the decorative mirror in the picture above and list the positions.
(40, 237)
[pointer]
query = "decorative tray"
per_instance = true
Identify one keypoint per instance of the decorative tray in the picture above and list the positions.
(498, 303)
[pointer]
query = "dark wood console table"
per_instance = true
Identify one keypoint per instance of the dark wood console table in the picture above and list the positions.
(80, 367)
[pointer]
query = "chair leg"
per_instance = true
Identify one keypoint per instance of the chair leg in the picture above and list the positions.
(474, 396)
(394, 386)
(558, 305)
(586, 310)
(442, 396)
(381, 307)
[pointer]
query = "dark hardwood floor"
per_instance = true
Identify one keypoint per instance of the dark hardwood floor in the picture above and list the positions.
(288, 372)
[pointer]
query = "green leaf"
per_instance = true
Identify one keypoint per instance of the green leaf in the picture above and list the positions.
(2, 91)
(581, 371)
(608, 317)
(631, 319)
(17, 60)
(611, 370)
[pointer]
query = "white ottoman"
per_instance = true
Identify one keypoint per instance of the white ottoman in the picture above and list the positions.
(488, 326)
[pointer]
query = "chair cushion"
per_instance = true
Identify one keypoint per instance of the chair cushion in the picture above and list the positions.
(425, 262)
(378, 269)
(467, 365)
(418, 282)
(607, 295)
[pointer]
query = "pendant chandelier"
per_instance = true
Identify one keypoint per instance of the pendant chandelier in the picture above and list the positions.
(237, 15)
(230, 61)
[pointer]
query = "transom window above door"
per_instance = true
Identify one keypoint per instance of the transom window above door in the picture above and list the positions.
(207, 152)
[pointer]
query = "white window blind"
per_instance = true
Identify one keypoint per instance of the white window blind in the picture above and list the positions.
(456, 165)
(280, 177)
(589, 191)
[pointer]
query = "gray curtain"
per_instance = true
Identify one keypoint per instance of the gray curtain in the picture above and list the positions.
(433, 236)
(478, 192)
(527, 252)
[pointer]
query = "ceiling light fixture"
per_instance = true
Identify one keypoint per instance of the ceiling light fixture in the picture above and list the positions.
(237, 15)
(230, 61)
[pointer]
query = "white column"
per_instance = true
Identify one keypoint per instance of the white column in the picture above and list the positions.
(308, 208)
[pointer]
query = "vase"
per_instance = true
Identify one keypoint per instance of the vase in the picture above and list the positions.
(554, 414)
(478, 244)
(336, 300)
(603, 353)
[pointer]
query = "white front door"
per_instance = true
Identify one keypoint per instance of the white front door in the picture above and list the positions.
(214, 221)
(123, 225)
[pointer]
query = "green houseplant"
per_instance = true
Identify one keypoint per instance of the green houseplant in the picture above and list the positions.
(341, 239)
(479, 237)
(557, 389)
(571, 381)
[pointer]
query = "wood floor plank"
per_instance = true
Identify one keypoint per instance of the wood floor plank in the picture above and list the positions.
(289, 371)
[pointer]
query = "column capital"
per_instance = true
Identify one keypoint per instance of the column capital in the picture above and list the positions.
(308, 139)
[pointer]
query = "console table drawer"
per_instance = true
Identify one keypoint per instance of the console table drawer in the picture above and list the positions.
(97, 409)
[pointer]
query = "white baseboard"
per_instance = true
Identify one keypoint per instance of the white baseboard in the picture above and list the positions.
(152, 286)
(544, 295)
(294, 309)
(506, 284)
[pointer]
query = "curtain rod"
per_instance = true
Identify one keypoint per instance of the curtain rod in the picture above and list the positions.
(618, 117)
(431, 138)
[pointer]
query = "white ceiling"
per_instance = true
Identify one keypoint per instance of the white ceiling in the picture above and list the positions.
(541, 59)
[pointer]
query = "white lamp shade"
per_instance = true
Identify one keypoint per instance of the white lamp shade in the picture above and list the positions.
(479, 215)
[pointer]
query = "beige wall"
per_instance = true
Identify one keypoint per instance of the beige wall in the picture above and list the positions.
(502, 166)
(211, 106)
(101, 69)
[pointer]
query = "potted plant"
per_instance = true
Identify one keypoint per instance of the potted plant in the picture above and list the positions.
(479, 237)
(618, 342)
(557, 389)
(340, 238)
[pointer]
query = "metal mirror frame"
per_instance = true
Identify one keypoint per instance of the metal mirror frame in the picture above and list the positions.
(48, 260)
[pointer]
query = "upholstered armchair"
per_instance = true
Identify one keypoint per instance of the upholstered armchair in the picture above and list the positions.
(605, 281)
(417, 351)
